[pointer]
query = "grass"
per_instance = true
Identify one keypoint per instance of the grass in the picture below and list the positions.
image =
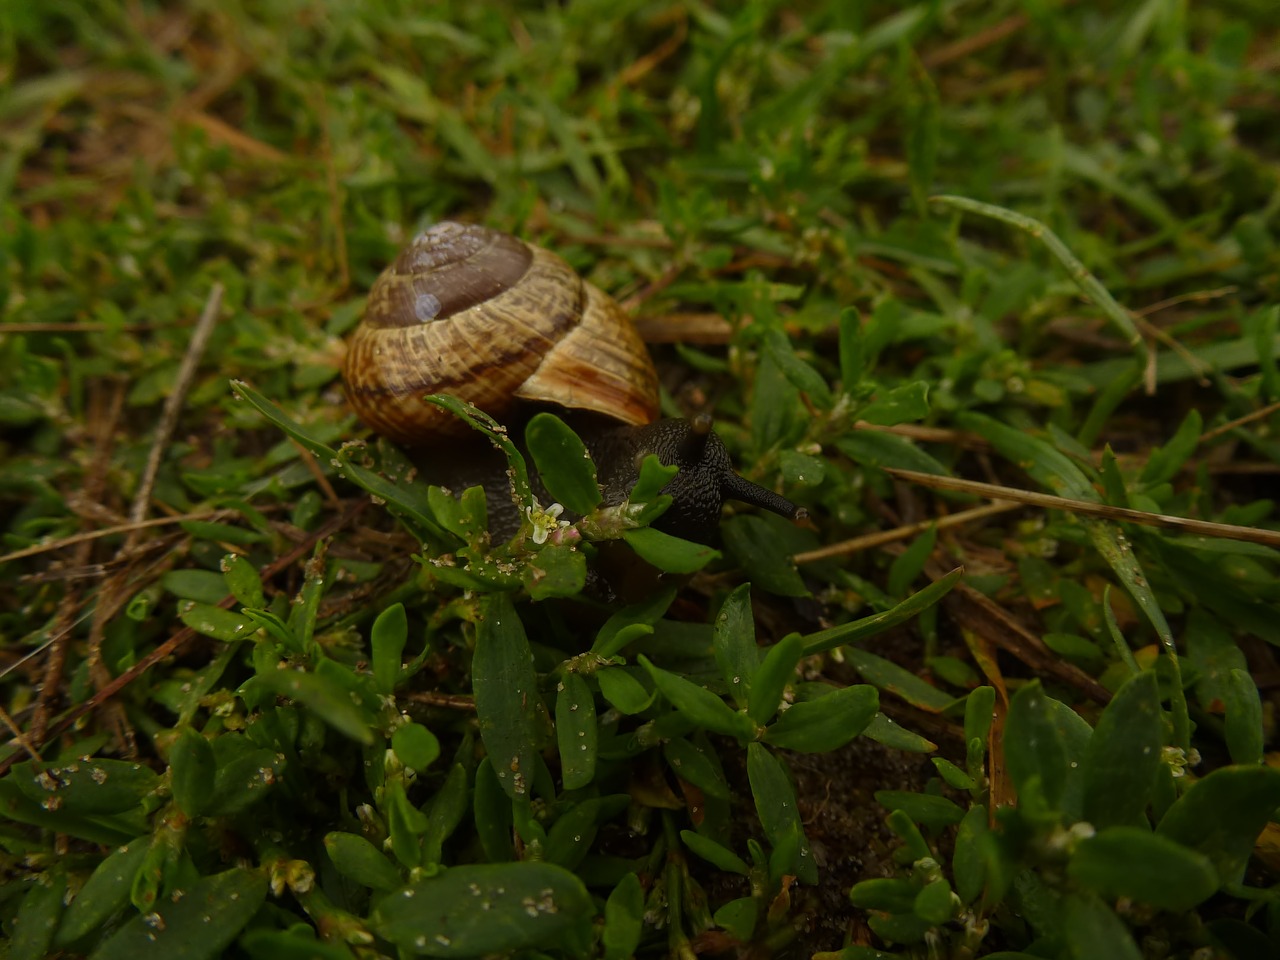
(1031, 245)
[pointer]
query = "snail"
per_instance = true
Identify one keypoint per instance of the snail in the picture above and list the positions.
(509, 326)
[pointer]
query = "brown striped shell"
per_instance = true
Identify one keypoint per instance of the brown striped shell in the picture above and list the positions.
(490, 319)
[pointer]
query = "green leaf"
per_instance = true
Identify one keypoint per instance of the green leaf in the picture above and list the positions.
(508, 705)
(771, 677)
(1133, 862)
(202, 586)
(359, 860)
(754, 542)
(923, 808)
(623, 919)
(556, 570)
(415, 745)
(875, 448)
(570, 838)
(444, 813)
(738, 917)
(89, 786)
(667, 553)
(1042, 461)
(200, 924)
(245, 774)
(690, 762)
(563, 463)
(105, 893)
(699, 704)
(968, 861)
(853, 349)
(884, 731)
(890, 677)
(625, 625)
(735, 643)
(387, 639)
(242, 581)
(775, 801)
(827, 723)
(1033, 745)
(868, 627)
(488, 908)
(576, 732)
(218, 623)
(907, 566)
(192, 769)
(623, 690)
(1163, 463)
(38, 916)
(1222, 815)
(902, 404)
(801, 375)
(1123, 755)
(1094, 932)
(933, 904)
(330, 701)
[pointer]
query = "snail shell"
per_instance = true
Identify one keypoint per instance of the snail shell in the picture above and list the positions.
(492, 320)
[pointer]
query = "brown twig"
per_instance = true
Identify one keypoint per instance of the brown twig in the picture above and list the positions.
(872, 540)
(174, 404)
(993, 491)
(1239, 422)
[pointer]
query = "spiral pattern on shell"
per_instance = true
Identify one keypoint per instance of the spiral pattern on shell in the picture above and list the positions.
(483, 316)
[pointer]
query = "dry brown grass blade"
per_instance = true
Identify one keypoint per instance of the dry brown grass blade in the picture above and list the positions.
(993, 491)
(171, 646)
(878, 539)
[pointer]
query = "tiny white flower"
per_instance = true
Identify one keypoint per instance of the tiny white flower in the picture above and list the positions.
(544, 521)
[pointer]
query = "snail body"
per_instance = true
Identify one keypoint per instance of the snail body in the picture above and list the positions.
(502, 324)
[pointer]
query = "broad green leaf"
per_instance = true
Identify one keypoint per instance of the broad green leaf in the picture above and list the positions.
(89, 786)
(968, 861)
(1136, 863)
(885, 731)
(874, 448)
(38, 917)
(738, 917)
(771, 677)
(570, 838)
(202, 586)
(758, 544)
(387, 639)
(1044, 462)
(359, 860)
(827, 723)
(508, 705)
(1033, 745)
(1094, 932)
(924, 808)
(443, 814)
(667, 553)
(624, 691)
(242, 581)
(775, 801)
(901, 404)
(1123, 755)
(623, 919)
(493, 817)
(867, 627)
(415, 745)
(890, 894)
(801, 375)
(556, 570)
(713, 853)
(955, 778)
(327, 699)
(853, 349)
(892, 678)
(576, 732)
(246, 774)
(200, 924)
(735, 643)
(623, 626)
(217, 623)
(478, 909)
(1222, 815)
(908, 564)
(699, 704)
(563, 463)
(104, 894)
(690, 762)
(934, 904)
(192, 769)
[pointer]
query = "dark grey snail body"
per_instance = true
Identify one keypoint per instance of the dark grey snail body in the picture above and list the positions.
(479, 314)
